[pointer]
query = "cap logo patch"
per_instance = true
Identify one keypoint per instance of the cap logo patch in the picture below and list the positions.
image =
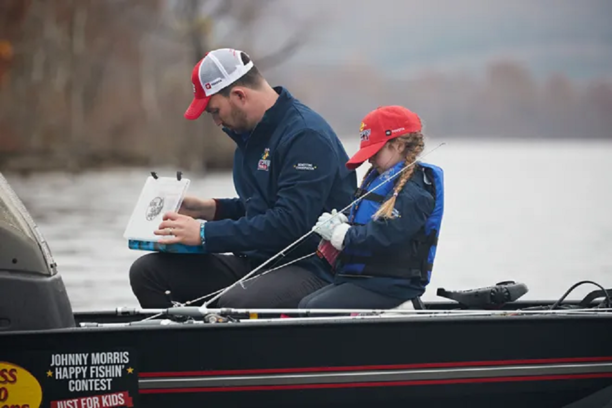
(364, 135)
(207, 86)
(388, 132)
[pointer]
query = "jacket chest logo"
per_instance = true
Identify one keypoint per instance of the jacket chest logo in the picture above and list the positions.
(264, 162)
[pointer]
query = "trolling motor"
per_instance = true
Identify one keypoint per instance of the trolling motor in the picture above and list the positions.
(487, 297)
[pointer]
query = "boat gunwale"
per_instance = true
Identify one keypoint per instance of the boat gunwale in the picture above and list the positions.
(252, 324)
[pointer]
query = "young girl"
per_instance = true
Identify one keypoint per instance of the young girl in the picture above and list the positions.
(388, 243)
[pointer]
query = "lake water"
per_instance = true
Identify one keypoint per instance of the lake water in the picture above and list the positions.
(535, 212)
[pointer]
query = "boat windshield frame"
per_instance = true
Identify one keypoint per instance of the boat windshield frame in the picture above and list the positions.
(15, 217)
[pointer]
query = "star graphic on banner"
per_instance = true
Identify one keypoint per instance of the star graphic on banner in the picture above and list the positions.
(49, 373)
(130, 370)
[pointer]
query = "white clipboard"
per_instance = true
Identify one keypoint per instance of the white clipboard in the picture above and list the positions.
(158, 196)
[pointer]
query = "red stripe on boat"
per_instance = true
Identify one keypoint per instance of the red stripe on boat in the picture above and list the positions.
(374, 367)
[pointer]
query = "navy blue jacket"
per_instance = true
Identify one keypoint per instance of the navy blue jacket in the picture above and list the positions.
(287, 172)
(392, 239)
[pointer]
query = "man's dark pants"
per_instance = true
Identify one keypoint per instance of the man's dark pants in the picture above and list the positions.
(191, 276)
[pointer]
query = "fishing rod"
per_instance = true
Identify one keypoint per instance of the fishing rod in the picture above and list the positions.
(194, 311)
(333, 315)
(303, 237)
(213, 318)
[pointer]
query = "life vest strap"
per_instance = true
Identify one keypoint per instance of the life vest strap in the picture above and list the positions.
(377, 198)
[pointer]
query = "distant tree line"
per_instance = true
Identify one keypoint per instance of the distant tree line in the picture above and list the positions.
(508, 102)
(505, 102)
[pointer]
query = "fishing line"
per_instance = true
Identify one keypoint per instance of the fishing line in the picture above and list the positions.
(303, 237)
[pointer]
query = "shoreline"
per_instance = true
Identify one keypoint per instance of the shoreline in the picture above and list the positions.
(34, 163)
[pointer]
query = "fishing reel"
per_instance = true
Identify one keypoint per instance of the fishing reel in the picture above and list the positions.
(214, 318)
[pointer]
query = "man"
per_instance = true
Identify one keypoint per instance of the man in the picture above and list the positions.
(288, 169)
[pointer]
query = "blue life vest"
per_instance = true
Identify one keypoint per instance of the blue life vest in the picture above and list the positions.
(417, 263)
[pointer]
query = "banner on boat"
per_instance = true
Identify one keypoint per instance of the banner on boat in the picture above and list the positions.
(70, 379)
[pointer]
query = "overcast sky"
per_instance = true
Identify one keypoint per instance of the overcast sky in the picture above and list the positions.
(570, 36)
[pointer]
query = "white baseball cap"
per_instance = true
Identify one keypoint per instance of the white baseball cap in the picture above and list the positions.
(218, 69)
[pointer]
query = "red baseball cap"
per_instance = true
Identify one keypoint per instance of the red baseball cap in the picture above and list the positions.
(217, 70)
(381, 125)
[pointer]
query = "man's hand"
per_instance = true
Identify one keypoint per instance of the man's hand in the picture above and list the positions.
(198, 208)
(180, 229)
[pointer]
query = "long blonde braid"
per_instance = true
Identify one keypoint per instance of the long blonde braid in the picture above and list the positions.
(413, 146)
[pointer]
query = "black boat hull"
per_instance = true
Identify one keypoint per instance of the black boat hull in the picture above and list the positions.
(500, 361)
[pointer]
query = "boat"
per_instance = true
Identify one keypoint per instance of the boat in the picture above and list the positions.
(484, 347)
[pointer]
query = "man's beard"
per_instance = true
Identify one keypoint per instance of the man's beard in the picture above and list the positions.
(239, 123)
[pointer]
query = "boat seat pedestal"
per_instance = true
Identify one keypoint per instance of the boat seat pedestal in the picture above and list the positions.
(412, 304)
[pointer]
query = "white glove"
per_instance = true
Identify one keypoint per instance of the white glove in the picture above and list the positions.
(337, 238)
(328, 222)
